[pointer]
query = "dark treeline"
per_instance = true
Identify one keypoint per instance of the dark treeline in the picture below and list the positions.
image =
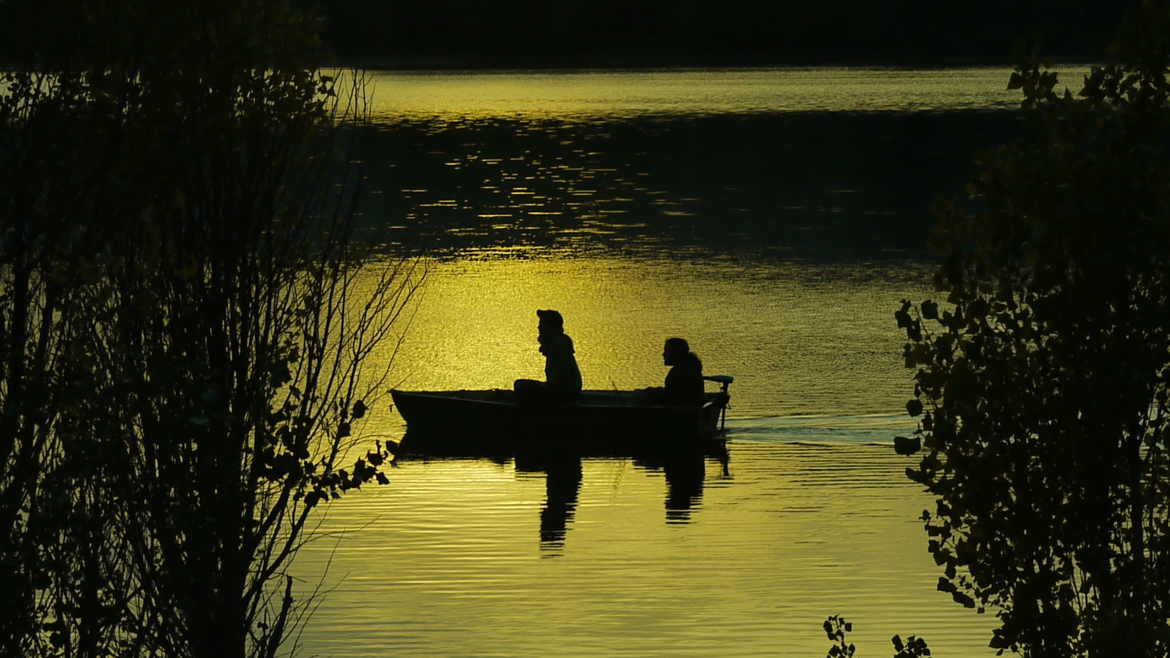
(603, 33)
(687, 32)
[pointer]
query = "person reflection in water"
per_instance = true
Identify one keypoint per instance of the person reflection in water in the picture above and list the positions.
(562, 485)
(562, 377)
(684, 381)
(685, 472)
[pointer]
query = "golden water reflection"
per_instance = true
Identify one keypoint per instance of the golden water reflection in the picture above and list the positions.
(800, 338)
(607, 95)
(449, 560)
(742, 256)
(811, 515)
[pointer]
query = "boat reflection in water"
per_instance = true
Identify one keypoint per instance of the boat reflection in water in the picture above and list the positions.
(681, 457)
(554, 438)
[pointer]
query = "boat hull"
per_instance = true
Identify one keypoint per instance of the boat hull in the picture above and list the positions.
(599, 417)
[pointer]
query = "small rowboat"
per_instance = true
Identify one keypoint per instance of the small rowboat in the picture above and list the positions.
(595, 414)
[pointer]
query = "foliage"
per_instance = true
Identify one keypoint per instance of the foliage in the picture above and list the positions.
(912, 647)
(1042, 384)
(185, 318)
(41, 249)
(836, 629)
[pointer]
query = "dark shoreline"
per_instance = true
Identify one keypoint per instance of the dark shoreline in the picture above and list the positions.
(446, 64)
(423, 64)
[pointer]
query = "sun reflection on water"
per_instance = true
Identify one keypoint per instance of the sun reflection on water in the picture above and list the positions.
(800, 339)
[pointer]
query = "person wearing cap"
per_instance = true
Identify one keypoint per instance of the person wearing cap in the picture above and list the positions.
(562, 376)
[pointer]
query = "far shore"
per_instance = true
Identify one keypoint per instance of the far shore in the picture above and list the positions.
(640, 61)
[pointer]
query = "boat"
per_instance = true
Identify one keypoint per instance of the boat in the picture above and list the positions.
(615, 416)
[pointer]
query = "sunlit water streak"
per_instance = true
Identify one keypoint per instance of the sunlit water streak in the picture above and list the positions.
(774, 219)
(617, 95)
(800, 338)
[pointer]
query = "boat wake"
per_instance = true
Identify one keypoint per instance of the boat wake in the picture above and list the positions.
(876, 429)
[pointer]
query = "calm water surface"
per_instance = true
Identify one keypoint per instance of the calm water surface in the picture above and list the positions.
(774, 218)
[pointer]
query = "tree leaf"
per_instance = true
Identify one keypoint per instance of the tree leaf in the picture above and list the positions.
(906, 445)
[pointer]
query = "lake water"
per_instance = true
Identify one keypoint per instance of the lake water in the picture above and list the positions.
(774, 218)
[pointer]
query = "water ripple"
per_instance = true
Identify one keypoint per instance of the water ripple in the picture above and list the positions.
(456, 563)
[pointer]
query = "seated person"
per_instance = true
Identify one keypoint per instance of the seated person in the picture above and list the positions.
(684, 381)
(562, 376)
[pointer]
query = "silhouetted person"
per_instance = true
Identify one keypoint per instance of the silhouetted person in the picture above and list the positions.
(562, 377)
(684, 471)
(562, 484)
(684, 381)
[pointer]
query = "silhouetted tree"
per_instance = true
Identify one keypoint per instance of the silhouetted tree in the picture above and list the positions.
(185, 320)
(1043, 382)
(44, 521)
